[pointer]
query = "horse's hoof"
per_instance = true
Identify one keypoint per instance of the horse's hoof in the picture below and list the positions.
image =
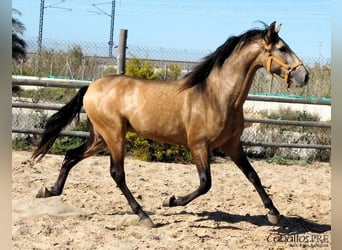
(147, 222)
(273, 218)
(168, 202)
(42, 192)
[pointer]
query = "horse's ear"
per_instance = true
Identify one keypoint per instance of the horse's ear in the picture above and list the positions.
(272, 33)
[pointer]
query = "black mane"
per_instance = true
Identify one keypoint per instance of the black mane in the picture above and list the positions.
(200, 72)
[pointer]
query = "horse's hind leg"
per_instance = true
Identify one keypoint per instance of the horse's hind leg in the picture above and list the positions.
(117, 172)
(94, 144)
(240, 159)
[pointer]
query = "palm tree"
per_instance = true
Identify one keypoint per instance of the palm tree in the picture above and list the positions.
(18, 44)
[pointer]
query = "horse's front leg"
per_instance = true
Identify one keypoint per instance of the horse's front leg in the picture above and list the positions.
(240, 159)
(200, 154)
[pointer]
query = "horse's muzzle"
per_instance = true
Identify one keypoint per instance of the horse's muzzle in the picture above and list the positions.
(299, 77)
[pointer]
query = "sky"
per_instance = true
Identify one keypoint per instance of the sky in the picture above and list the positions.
(181, 24)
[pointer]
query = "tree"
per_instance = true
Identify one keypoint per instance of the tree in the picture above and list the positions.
(75, 57)
(18, 43)
(174, 71)
(140, 68)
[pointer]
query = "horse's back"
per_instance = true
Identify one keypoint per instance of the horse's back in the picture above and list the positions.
(153, 109)
(125, 91)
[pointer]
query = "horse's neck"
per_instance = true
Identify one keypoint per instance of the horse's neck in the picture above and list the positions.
(234, 79)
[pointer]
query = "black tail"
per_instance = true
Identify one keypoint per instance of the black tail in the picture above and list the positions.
(58, 121)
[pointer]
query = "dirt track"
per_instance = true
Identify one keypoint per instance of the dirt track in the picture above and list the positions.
(93, 214)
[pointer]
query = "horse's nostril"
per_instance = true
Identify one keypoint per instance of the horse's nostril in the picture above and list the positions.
(306, 79)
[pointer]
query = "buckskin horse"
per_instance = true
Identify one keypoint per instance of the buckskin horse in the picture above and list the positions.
(203, 111)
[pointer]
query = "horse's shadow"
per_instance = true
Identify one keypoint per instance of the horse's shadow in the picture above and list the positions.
(287, 224)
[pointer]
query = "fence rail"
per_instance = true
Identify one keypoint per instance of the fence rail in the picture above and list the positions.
(62, 83)
(67, 83)
(47, 82)
(44, 106)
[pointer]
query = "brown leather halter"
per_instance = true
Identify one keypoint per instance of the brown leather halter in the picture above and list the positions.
(272, 58)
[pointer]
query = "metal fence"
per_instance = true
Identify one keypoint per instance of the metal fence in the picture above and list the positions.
(306, 137)
(89, 61)
(77, 63)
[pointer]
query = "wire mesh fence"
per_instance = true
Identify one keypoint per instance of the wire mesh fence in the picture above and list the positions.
(89, 61)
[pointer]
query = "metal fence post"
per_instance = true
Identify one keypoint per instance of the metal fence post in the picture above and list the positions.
(121, 57)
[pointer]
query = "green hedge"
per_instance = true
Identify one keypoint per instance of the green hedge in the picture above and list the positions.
(148, 150)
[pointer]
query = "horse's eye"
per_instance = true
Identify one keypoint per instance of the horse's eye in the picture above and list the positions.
(283, 49)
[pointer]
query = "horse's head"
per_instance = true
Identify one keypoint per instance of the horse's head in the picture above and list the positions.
(279, 59)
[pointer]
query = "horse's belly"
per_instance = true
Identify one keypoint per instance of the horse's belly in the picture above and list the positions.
(161, 129)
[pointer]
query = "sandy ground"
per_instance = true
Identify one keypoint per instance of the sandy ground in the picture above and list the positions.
(93, 214)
